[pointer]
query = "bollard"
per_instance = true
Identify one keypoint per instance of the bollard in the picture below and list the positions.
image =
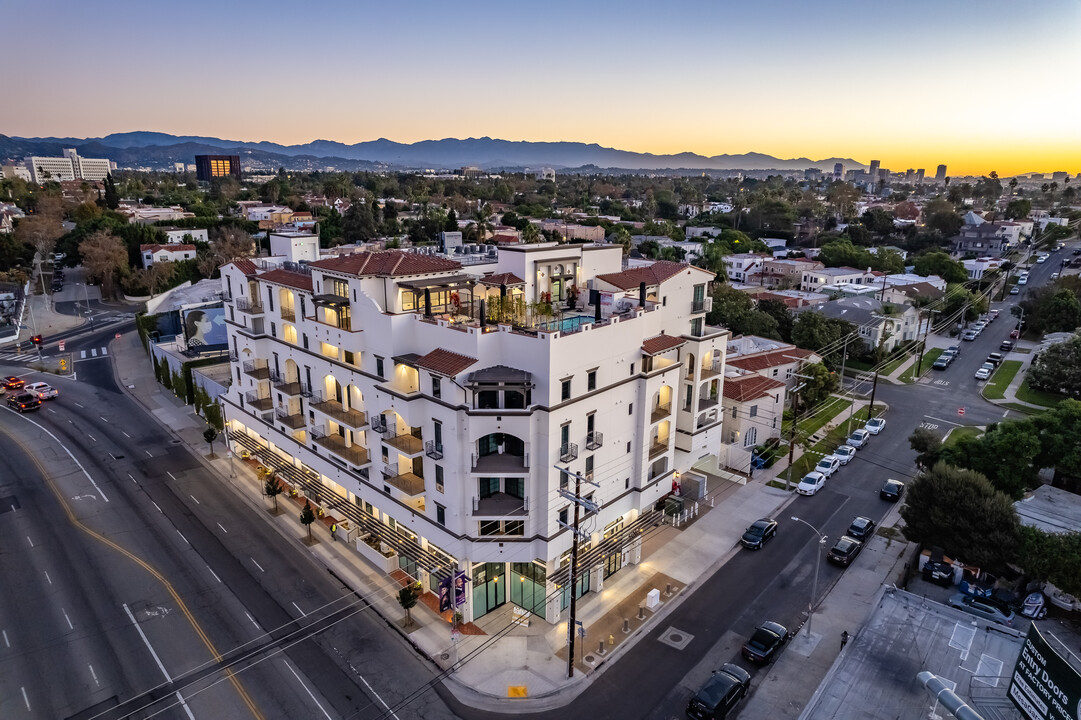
(668, 590)
(641, 613)
(600, 648)
(626, 625)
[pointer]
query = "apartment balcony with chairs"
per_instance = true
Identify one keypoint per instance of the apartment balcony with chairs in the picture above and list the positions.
(500, 504)
(568, 452)
(594, 440)
(660, 412)
(353, 454)
(250, 307)
(294, 420)
(405, 443)
(258, 403)
(332, 408)
(657, 449)
(409, 483)
(257, 371)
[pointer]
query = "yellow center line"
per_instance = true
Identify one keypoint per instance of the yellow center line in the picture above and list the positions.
(150, 569)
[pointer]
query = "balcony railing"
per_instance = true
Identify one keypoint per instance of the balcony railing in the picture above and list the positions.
(500, 504)
(568, 452)
(227, 296)
(353, 454)
(594, 440)
(233, 357)
(293, 420)
(657, 449)
(289, 314)
(260, 372)
(433, 450)
(259, 403)
(333, 408)
(379, 423)
(409, 483)
(496, 463)
(292, 388)
(712, 370)
(406, 443)
(660, 412)
(707, 402)
(251, 307)
(698, 306)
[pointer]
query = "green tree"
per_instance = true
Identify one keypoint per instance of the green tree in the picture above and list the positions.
(1054, 557)
(272, 488)
(166, 374)
(112, 197)
(947, 222)
(814, 331)
(1018, 209)
(735, 310)
(105, 259)
(1058, 369)
(212, 413)
(357, 223)
(210, 435)
(960, 511)
(941, 264)
(780, 313)
(842, 253)
(819, 384)
(1058, 429)
(407, 598)
(929, 446)
(307, 517)
(1005, 454)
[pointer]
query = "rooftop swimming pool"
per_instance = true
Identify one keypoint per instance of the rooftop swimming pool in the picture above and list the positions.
(566, 324)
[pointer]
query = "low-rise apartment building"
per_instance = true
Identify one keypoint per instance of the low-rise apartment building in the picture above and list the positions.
(787, 273)
(815, 279)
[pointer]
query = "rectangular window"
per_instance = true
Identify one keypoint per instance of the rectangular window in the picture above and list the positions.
(733, 412)
(775, 371)
(437, 434)
(514, 527)
(565, 390)
(589, 466)
(632, 369)
(565, 434)
(696, 326)
(379, 366)
(630, 408)
(486, 487)
(688, 397)
(515, 487)
(270, 300)
(628, 446)
(564, 480)
(439, 478)
(437, 391)
(349, 356)
(273, 329)
(440, 514)
(754, 411)
(339, 288)
(591, 420)
(564, 516)
(591, 380)
(489, 527)
(305, 340)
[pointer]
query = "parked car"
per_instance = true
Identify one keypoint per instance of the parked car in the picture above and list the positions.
(861, 528)
(985, 371)
(954, 350)
(968, 335)
(844, 551)
(979, 326)
(12, 382)
(44, 391)
(1015, 290)
(768, 638)
(995, 358)
(1006, 346)
(1015, 334)
(845, 453)
(1054, 276)
(982, 608)
(875, 425)
(759, 533)
(858, 438)
(993, 315)
(828, 465)
(24, 402)
(942, 362)
(892, 490)
(811, 483)
(1042, 258)
(722, 692)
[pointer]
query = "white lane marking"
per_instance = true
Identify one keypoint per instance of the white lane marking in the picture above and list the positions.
(65, 613)
(103, 418)
(245, 612)
(182, 537)
(257, 565)
(311, 694)
(29, 541)
(51, 410)
(73, 458)
(78, 405)
(132, 479)
(302, 613)
(93, 674)
(223, 529)
(373, 692)
(948, 422)
(8, 643)
(195, 499)
(148, 453)
(213, 573)
(82, 355)
(126, 435)
(1005, 413)
(91, 437)
(47, 577)
(159, 509)
(25, 699)
(157, 660)
(170, 475)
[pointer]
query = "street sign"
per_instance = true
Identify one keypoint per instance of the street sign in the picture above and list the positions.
(118, 336)
(960, 411)
(63, 364)
(1044, 686)
(61, 346)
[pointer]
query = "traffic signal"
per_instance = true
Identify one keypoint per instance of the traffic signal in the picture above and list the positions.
(36, 340)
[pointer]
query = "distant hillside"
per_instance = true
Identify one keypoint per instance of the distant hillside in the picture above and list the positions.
(153, 148)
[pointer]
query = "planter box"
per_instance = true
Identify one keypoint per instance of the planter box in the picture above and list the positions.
(376, 558)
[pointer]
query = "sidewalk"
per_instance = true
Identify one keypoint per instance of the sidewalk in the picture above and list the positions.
(527, 660)
(41, 320)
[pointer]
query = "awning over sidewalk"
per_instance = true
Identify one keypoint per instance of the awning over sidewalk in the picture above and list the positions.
(711, 467)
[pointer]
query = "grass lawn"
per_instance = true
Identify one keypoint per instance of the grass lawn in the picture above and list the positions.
(959, 432)
(809, 424)
(929, 358)
(1023, 409)
(836, 437)
(996, 388)
(1037, 397)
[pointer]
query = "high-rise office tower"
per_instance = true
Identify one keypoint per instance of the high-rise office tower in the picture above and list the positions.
(838, 171)
(873, 172)
(940, 174)
(919, 176)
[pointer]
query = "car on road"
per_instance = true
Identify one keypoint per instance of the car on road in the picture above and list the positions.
(44, 391)
(1015, 334)
(968, 335)
(892, 490)
(1054, 276)
(12, 382)
(875, 425)
(861, 528)
(759, 533)
(722, 692)
(844, 551)
(768, 638)
(1006, 346)
(845, 453)
(811, 483)
(995, 358)
(979, 326)
(985, 371)
(1022, 280)
(858, 438)
(942, 362)
(828, 465)
(24, 402)
(982, 608)
(1042, 258)
(993, 315)
(1015, 290)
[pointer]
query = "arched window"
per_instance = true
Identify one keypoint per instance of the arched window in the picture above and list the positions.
(750, 439)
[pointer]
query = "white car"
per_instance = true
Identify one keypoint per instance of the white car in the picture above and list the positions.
(43, 391)
(811, 483)
(845, 453)
(979, 326)
(1042, 258)
(1023, 280)
(858, 438)
(985, 371)
(828, 465)
(1054, 276)
(875, 426)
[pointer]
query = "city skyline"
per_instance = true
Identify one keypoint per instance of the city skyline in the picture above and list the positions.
(899, 84)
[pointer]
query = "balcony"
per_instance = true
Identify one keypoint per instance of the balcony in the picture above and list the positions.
(333, 408)
(706, 403)
(698, 306)
(406, 443)
(289, 314)
(660, 412)
(227, 295)
(251, 307)
(259, 372)
(233, 357)
(293, 388)
(259, 403)
(353, 454)
(500, 463)
(657, 449)
(568, 452)
(293, 420)
(500, 505)
(409, 483)
(379, 423)
(433, 450)
(594, 440)
(713, 370)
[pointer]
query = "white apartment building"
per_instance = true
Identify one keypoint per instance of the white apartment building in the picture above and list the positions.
(173, 252)
(741, 266)
(69, 167)
(435, 410)
(177, 235)
(815, 279)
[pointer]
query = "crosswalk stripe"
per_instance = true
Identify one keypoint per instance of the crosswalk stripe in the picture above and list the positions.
(105, 351)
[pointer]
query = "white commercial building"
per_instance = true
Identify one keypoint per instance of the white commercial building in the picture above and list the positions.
(69, 167)
(443, 415)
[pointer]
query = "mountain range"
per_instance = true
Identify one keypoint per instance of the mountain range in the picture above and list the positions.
(156, 149)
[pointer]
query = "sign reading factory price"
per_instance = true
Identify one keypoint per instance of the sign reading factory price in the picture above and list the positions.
(1044, 686)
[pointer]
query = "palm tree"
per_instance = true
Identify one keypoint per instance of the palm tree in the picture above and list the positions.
(482, 223)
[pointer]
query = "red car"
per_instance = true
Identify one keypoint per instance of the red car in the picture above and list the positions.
(13, 383)
(1015, 334)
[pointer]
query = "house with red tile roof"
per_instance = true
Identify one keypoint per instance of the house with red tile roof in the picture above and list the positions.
(166, 253)
(753, 406)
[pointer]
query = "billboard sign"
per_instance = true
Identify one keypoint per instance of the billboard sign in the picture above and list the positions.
(1044, 686)
(205, 327)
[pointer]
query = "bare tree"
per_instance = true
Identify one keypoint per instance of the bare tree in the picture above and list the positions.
(232, 244)
(40, 232)
(159, 274)
(105, 258)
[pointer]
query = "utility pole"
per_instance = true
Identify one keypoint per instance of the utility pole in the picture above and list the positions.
(923, 344)
(792, 436)
(579, 503)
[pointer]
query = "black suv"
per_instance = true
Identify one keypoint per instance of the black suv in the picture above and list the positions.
(844, 551)
(24, 402)
(720, 694)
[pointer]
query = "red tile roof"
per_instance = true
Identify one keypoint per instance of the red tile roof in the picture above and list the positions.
(749, 387)
(387, 263)
(653, 274)
(246, 266)
(300, 281)
(762, 361)
(497, 279)
(155, 248)
(660, 343)
(444, 362)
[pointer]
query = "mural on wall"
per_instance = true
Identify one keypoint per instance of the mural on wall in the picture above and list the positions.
(205, 327)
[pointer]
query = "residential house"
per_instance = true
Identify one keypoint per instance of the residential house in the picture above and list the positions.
(879, 324)
(787, 273)
(172, 252)
(815, 279)
(753, 406)
(769, 358)
(741, 266)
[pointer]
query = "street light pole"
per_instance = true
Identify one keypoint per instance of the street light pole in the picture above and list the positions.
(818, 563)
(86, 296)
